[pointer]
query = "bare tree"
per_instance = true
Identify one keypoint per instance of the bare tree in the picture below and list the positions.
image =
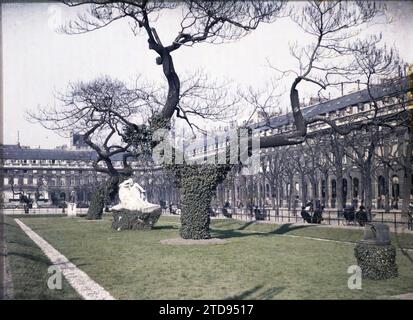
(202, 21)
(273, 167)
(332, 24)
(99, 110)
(339, 54)
(314, 159)
(360, 148)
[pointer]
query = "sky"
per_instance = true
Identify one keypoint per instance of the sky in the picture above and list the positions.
(38, 61)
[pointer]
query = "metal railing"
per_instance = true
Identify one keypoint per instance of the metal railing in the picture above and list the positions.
(41, 211)
(329, 217)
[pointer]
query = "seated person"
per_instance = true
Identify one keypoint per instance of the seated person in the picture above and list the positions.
(258, 214)
(349, 213)
(361, 216)
(211, 212)
(318, 215)
(171, 209)
(226, 213)
(305, 215)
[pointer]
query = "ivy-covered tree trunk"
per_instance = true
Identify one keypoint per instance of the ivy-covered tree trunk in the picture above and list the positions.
(97, 204)
(199, 184)
(104, 193)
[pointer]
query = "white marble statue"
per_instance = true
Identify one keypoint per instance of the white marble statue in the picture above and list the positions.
(132, 197)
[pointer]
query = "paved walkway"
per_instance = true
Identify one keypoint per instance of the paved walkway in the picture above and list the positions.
(79, 280)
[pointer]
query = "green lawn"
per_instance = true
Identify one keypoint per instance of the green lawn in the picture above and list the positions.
(29, 267)
(258, 261)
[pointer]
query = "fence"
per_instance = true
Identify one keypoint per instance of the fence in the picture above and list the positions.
(330, 217)
(42, 211)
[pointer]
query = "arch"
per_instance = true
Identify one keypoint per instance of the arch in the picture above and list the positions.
(395, 191)
(297, 187)
(333, 188)
(356, 187)
(333, 193)
(345, 190)
(323, 189)
(267, 190)
(381, 181)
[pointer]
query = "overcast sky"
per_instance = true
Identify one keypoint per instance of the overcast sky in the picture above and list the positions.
(37, 61)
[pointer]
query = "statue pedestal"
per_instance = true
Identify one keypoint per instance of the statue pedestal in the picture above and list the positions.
(71, 209)
(375, 255)
(135, 219)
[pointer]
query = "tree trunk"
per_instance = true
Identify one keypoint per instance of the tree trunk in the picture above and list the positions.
(407, 181)
(368, 189)
(326, 191)
(107, 191)
(386, 189)
(274, 195)
(199, 184)
(314, 192)
(303, 190)
(277, 205)
(339, 189)
(291, 194)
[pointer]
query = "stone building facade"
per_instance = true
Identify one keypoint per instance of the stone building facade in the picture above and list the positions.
(52, 175)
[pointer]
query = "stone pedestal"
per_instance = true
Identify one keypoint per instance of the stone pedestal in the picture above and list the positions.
(71, 209)
(135, 219)
(375, 255)
(134, 212)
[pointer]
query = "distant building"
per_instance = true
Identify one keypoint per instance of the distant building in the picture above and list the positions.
(55, 173)
(77, 142)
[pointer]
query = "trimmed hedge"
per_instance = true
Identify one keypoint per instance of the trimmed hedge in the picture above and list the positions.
(376, 262)
(135, 220)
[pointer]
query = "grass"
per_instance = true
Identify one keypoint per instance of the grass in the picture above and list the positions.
(258, 261)
(30, 268)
